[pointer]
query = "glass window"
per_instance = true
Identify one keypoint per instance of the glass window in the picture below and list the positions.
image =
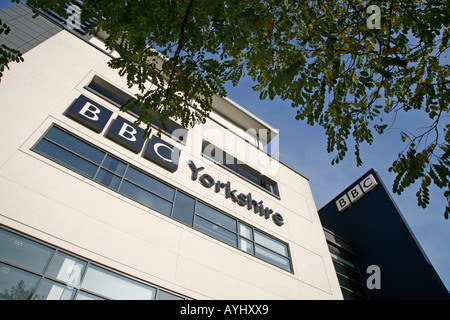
(216, 216)
(66, 158)
(23, 252)
(115, 286)
(108, 179)
(75, 145)
(183, 209)
(215, 231)
(114, 165)
(155, 194)
(246, 245)
(146, 198)
(51, 290)
(164, 295)
(16, 284)
(211, 151)
(272, 257)
(149, 183)
(87, 296)
(67, 268)
(245, 231)
(107, 93)
(61, 279)
(271, 243)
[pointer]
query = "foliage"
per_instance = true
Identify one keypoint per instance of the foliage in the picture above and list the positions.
(322, 55)
(7, 54)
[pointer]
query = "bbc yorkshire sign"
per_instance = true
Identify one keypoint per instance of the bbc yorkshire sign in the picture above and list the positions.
(125, 133)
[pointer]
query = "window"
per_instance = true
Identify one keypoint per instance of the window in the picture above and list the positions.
(119, 176)
(105, 169)
(118, 97)
(237, 234)
(183, 210)
(221, 157)
(30, 270)
(344, 261)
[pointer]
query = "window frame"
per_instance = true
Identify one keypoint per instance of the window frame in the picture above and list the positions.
(45, 277)
(238, 165)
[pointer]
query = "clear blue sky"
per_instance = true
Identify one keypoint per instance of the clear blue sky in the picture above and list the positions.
(303, 148)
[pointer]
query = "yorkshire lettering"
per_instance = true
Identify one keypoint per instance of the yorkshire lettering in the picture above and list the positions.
(242, 199)
(123, 132)
(356, 193)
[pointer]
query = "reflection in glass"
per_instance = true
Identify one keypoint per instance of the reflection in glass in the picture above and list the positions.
(164, 295)
(246, 245)
(67, 268)
(87, 296)
(183, 210)
(108, 179)
(215, 231)
(115, 286)
(16, 284)
(271, 243)
(114, 165)
(51, 290)
(245, 231)
(149, 183)
(216, 216)
(146, 198)
(66, 158)
(272, 257)
(75, 145)
(24, 252)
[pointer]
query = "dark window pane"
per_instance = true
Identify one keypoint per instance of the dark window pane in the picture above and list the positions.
(66, 158)
(149, 183)
(24, 252)
(215, 231)
(108, 179)
(107, 93)
(16, 284)
(75, 145)
(216, 216)
(183, 210)
(146, 198)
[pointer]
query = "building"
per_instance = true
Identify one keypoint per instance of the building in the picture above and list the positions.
(90, 210)
(376, 255)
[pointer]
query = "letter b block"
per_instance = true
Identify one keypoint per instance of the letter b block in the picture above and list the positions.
(343, 203)
(89, 113)
(127, 134)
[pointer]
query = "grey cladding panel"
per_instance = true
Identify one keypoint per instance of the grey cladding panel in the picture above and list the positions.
(26, 32)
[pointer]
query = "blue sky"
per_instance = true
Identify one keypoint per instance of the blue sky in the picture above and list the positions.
(303, 148)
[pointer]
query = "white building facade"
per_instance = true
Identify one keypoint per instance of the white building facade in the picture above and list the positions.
(90, 210)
